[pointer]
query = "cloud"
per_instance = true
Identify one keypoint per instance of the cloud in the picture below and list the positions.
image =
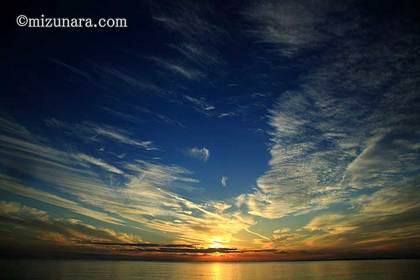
(193, 21)
(178, 248)
(145, 245)
(54, 123)
(224, 181)
(134, 82)
(192, 250)
(176, 66)
(144, 198)
(92, 132)
(343, 143)
(198, 36)
(331, 223)
(135, 117)
(179, 69)
(200, 104)
(10, 127)
(13, 209)
(199, 153)
(120, 137)
(293, 26)
(159, 174)
(124, 116)
(12, 186)
(73, 69)
(389, 201)
(98, 162)
(228, 114)
(383, 222)
(167, 248)
(340, 131)
(218, 206)
(198, 54)
(157, 208)
(45, 228)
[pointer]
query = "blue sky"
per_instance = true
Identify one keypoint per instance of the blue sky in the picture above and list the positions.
(277, 129)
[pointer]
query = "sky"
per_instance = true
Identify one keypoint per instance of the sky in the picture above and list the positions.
(220, 130)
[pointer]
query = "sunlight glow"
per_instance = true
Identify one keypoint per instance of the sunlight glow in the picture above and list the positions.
(217, 242)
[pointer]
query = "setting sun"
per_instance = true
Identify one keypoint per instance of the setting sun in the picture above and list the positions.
(216, 243)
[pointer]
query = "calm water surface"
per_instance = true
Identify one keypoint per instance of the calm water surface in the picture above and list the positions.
(74, 270)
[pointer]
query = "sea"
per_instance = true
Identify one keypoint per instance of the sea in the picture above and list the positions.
(91, 269)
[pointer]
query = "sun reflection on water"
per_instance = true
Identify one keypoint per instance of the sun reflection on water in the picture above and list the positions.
(216, 271)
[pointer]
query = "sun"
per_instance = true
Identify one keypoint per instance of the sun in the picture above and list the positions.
(217, 243)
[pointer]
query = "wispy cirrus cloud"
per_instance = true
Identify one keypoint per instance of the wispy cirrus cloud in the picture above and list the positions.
(178, 68)
(189, 19)
(77, 71)
(198, 54)
(144, 198)
(98, 162)
(133, 81)
(125, 116)
(93, 132)
(118, 136)
(294, 26)
(61, 232)
(160, 174)
(200, 104)
(199, 34)
(10, 185)
(8, 126)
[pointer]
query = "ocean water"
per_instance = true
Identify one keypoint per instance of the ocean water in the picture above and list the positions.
(82, 269)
